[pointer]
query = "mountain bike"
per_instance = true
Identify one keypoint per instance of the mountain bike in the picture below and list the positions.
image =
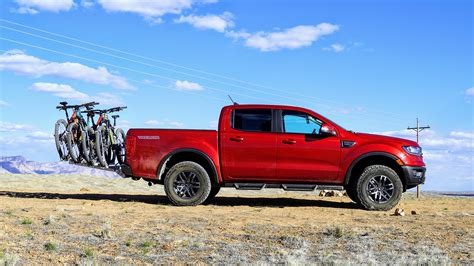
(60, 129)
(76, 130)
(88, 139)
(109, 141)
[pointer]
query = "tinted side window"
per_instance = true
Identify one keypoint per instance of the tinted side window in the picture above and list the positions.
(253, 120)
(301, 123)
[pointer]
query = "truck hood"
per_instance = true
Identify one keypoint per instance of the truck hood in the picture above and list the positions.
(381, 138)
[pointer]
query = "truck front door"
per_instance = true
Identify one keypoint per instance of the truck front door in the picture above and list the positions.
(303, 154)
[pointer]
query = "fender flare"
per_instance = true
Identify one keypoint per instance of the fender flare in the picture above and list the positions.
(162, 165)
(363, 156)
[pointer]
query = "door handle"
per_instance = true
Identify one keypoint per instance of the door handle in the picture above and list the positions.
(289, 141)
(237, 139)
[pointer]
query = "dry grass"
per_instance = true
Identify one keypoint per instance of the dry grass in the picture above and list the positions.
(124, 222)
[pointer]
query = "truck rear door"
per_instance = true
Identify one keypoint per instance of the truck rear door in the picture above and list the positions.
(248, 146)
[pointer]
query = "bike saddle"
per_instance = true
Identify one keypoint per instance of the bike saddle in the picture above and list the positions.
(63, 103)
(115, 116)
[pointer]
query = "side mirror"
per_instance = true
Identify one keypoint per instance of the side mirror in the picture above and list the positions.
(328, 130)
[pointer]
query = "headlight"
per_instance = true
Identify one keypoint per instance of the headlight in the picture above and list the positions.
(413, 150)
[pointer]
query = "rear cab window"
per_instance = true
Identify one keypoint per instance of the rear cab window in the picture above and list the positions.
(255, 120)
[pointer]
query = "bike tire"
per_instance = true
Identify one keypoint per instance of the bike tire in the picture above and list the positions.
(120, 145)
(60, 139)
(88, 146)
(101, 145)
(73, 144)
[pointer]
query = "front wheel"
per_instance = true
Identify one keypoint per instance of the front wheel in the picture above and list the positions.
(74, 139)
(379, 188)
(88, 146)
(101, 145)
(187, 183)
(60, 132)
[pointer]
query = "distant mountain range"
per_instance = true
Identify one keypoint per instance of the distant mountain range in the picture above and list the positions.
(19, 165)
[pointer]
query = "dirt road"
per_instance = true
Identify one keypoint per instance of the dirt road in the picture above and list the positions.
(85, 220)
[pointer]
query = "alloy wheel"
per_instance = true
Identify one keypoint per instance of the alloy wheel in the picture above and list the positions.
(380, 188)
(186, 185)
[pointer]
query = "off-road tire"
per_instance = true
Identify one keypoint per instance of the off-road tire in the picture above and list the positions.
(351, 191)
(60, 139)
(362, 188)
(214, 191)
(204, 184)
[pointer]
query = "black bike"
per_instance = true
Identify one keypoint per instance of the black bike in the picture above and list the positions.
(76, 130)
(61, 126)
(109, 141)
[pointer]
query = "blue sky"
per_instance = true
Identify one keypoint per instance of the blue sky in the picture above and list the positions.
(368, 66)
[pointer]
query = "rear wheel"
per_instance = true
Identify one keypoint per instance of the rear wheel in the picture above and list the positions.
(214, 191)
(120, 146)
(74, 139)
(89, 147)
(101, 145)
(379, 188)
(187, 184)
(60, 132)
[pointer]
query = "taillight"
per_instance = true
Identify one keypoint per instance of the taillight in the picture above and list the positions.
(130, 146)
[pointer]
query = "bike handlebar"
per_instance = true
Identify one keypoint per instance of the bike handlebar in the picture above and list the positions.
(64, 105)
(105, 111)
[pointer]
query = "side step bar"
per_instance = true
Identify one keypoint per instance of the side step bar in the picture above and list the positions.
(286, 187)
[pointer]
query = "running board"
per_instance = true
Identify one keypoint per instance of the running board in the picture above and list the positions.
(286, 187)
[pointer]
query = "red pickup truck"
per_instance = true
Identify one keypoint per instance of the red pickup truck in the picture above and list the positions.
(271, 146)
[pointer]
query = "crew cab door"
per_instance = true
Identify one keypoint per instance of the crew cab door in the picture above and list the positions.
(248, 146)
(303, 153)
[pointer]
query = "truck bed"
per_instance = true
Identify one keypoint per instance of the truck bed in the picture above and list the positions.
(154, 144)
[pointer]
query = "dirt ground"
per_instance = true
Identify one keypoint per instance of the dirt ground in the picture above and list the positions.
(97, 220)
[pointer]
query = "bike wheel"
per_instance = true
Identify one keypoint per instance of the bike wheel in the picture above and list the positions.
(110, 152)
(120, 145)
(74, 138)
(88, 146)
(101, 145)
(60, 132)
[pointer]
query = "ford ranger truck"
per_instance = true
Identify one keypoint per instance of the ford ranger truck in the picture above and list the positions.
(272, 146)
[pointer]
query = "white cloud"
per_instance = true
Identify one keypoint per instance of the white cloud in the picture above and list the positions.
(40, 136)
(60, 90)
(12, 127)
(292, 38)
(336, 47)
(462, 134)
(87, 3)
(184, 85)
(153, 123)
(165, 124)
(105, 98)
(218, 23)
(176, 124)
(18, 62)
(3, 103)
(150, 10)
(470, 92)
(67, 92)
(34, 6)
